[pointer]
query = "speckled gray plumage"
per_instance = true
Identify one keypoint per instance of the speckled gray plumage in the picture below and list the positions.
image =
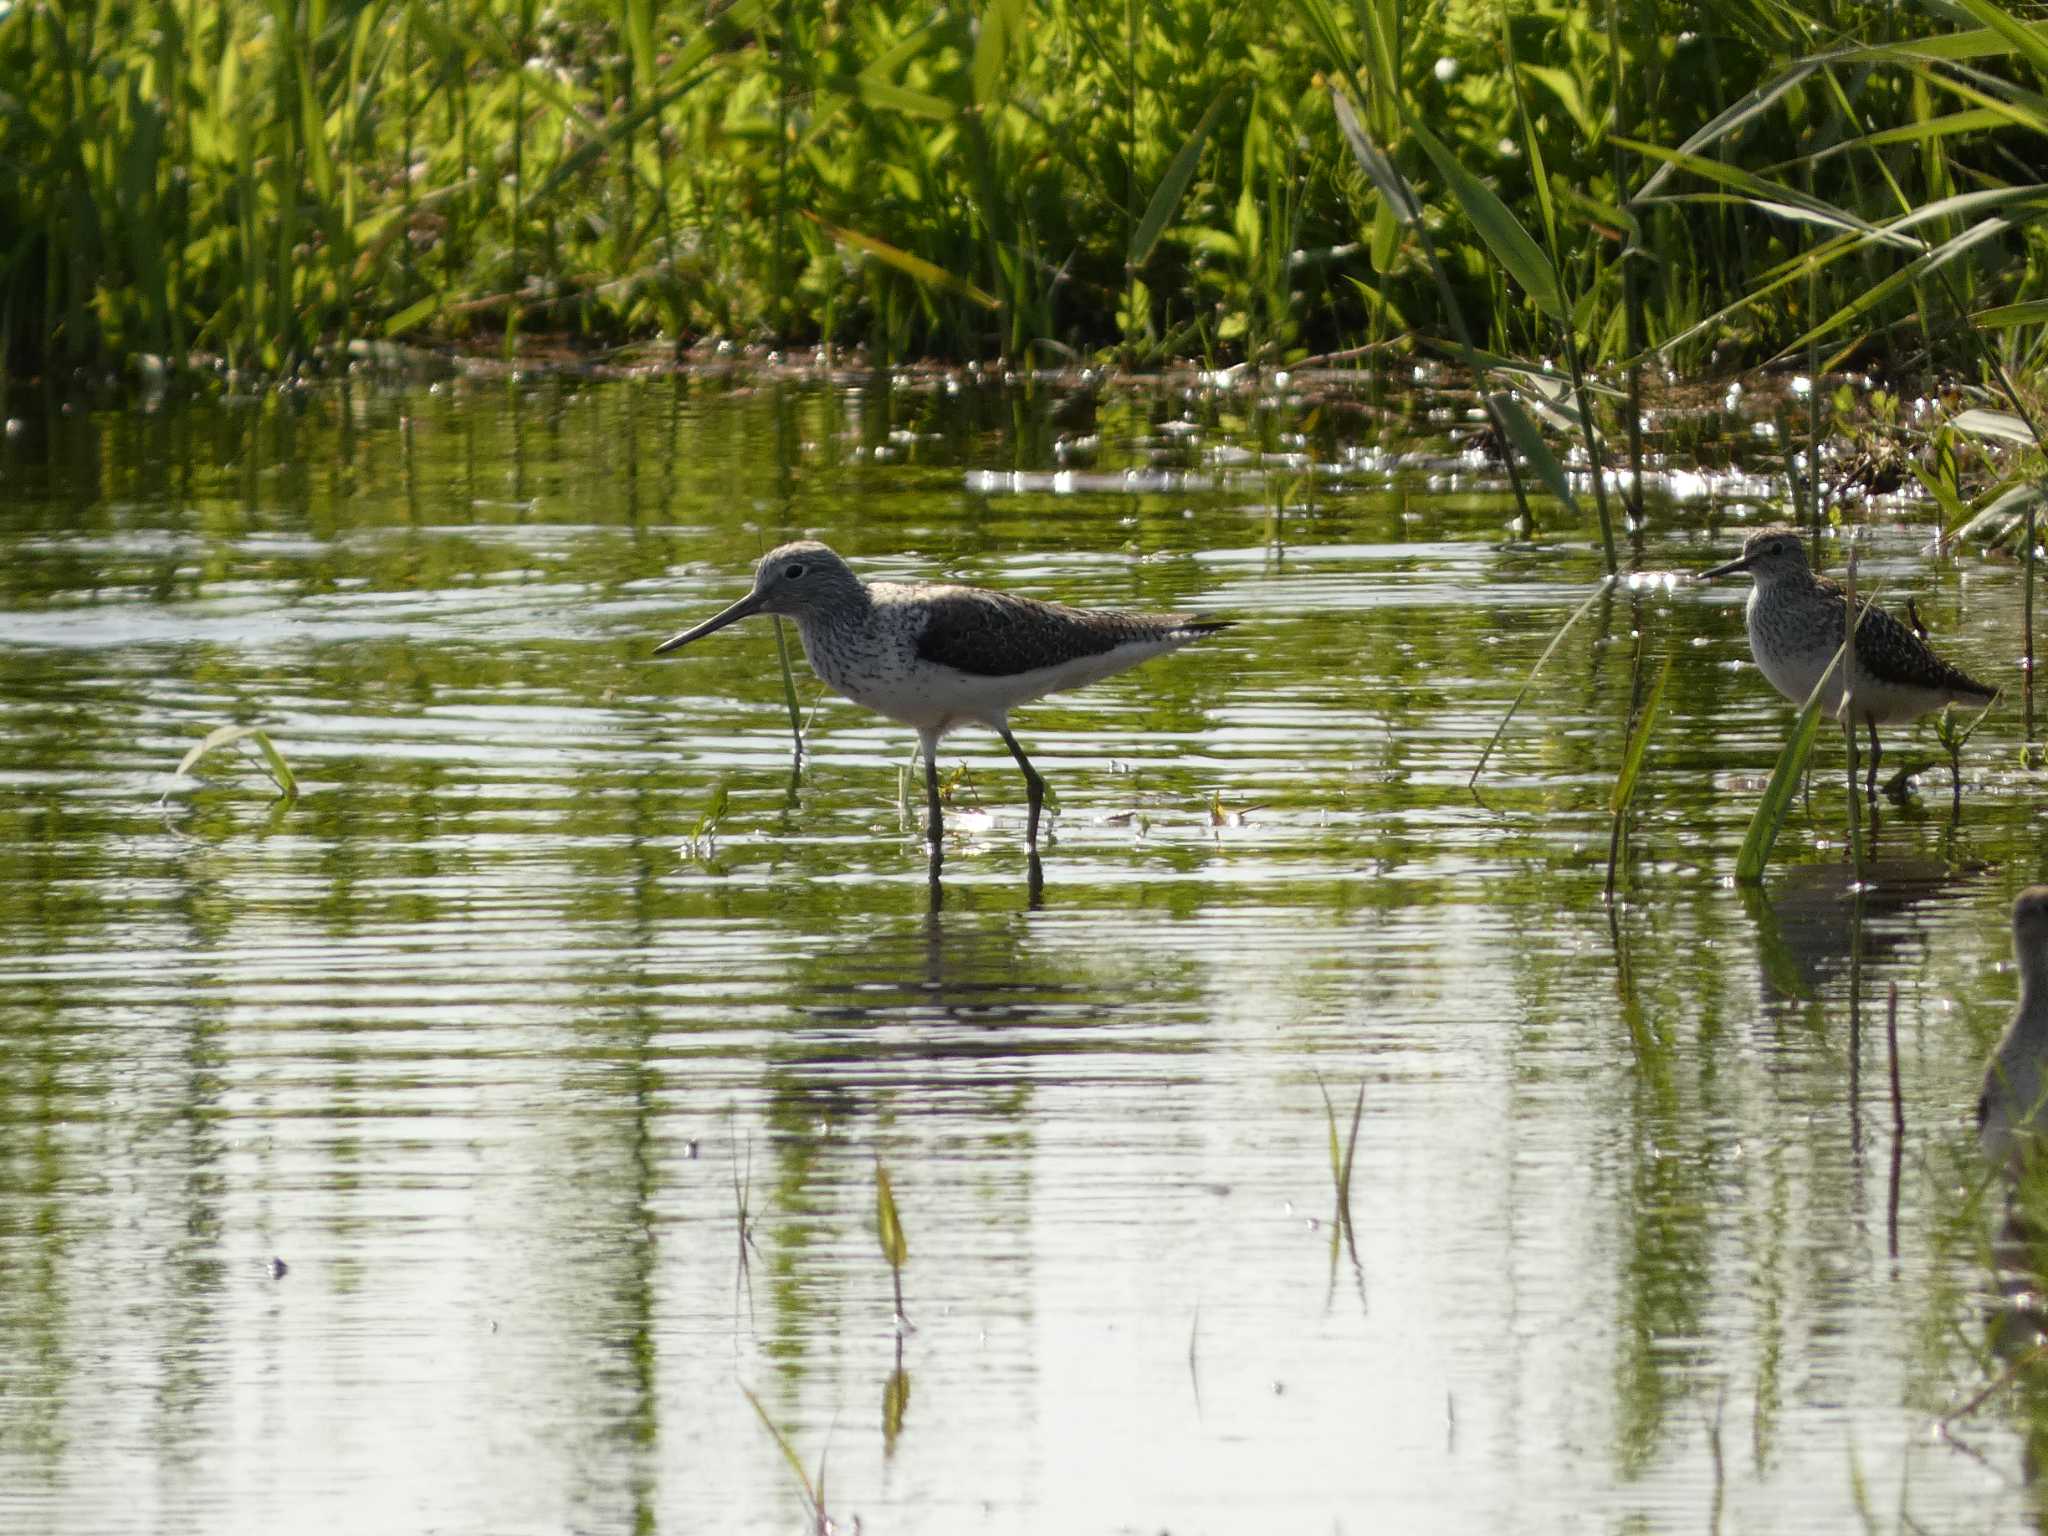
(1811, 618)
(1796, 621)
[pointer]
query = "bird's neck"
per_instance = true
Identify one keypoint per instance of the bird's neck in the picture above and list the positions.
(2033, 1010)
(846, 614)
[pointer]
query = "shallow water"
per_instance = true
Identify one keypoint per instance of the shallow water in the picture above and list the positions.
(471, 1041)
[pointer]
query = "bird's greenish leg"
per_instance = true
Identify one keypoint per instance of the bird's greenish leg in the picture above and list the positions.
(934, 825)
(1875, 753)
(1034, 785)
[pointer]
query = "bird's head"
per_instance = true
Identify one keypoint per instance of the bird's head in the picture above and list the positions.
(2030, 922)
(1769, 554)
(799, 580)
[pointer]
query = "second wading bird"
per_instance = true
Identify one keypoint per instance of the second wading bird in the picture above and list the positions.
(937, 656)
(2011, 1114)
(1795, 628)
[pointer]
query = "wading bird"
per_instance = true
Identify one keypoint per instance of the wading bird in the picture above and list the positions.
(935, 656)
(1795, 628)
(2010, 1113)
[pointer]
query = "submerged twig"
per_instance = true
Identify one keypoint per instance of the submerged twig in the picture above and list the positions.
(741, 1190)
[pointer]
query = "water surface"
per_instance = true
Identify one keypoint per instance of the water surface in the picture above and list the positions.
(454, 1148)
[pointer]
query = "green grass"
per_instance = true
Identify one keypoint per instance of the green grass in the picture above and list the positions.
(261, 182)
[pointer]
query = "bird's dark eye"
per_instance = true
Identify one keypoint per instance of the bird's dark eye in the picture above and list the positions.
(793, 571)
(1776, 549)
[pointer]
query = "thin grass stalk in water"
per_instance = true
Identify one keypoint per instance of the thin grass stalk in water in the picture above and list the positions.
(273, 760)
(1528, 682)
(1779, 791)
(1855, 622)
(1891, 1042)
(1953, 741)
(1632, 765)
(796, 721)
(1343, 1235)
(814, 1492)
(1341, 1156)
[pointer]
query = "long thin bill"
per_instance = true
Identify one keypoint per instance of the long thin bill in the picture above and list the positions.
(1729, 569)
(751, 603)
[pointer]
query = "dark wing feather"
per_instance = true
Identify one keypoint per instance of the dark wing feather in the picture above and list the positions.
(996, 634)
(1893, 652)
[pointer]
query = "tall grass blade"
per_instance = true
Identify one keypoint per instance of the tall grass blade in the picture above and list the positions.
(1639, 742)
(2001, 425)
(914, 267)
(1769, 817)
(1173, 185)
(1499, 228)
(1000, 24)
(1393, 187)
(1527, 437)
(1631, 770)
(888, 1224)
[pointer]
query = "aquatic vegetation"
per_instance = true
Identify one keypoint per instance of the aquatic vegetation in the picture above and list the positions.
(1528, 682)
(1954, 738)
(699, 841)
(813, 1488)
(1768, 818)
(796, 724)
(889, 1232)
(278, 187)
(271, 760)
(1644, 722)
